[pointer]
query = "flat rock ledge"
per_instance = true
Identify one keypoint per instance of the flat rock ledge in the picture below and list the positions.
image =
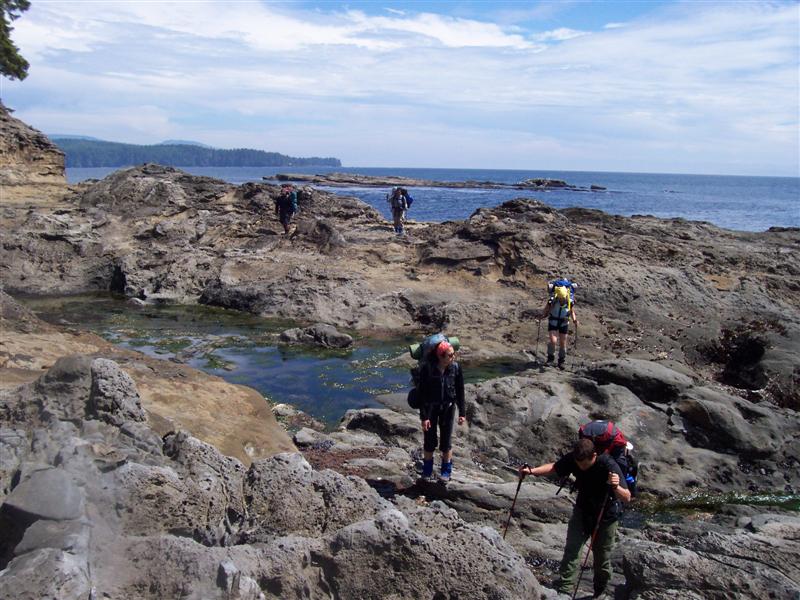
(350, 179)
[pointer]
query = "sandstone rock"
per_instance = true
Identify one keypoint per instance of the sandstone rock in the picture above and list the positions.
(31, 166)
(385, 423)
(715, 563)
(70, 536)
(14, 444)
(277, 487)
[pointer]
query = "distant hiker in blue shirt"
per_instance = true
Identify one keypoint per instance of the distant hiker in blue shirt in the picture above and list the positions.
(286, 206)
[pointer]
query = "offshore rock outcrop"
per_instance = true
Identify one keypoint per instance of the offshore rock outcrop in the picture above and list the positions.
(352, 179)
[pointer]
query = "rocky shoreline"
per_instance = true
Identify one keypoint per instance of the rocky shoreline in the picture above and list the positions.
(354, 180)
(124, 476)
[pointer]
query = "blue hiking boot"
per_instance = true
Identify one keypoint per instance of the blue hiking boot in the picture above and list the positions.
(447, 471)
(427, 469)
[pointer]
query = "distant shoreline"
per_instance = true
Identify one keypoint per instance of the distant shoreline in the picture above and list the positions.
(83, 153)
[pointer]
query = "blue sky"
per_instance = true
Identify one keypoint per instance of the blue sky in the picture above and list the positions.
(685, 87)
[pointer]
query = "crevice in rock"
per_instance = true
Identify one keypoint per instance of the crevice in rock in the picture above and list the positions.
(13, 525)
(118, 281)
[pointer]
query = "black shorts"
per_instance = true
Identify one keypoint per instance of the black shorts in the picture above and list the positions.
(442, 419)
(560, 325)
(285, 217)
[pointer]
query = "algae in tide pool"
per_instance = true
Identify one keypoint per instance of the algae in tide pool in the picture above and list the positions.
(244, 349)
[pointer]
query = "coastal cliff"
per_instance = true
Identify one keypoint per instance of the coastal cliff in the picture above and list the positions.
(31, 166)
(125, 476)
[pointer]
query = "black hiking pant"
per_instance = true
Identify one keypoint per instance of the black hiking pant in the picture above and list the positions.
(442, 416)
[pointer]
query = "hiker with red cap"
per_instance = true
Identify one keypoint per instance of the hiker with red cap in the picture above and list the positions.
(441, 392)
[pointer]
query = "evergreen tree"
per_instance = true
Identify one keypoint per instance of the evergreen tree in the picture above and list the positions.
(12, 65)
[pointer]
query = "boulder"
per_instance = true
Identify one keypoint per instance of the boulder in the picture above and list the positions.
(50, 493)
(320, 334)
(386, 423)
(649, 380)
(713, 561)
(727, 424)
(113, 396)
(46, 573)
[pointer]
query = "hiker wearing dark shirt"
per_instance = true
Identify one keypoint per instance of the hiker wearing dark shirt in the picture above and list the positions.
(441, 393)
(286, 206)
(601, 493)
(400, 203)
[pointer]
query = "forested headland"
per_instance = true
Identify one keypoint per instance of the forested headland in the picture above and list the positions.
(96, 153)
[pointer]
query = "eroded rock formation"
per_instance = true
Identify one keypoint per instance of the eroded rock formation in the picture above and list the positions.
(31, 166)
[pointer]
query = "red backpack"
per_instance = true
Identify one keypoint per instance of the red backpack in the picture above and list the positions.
(608, 439)
(606, 436)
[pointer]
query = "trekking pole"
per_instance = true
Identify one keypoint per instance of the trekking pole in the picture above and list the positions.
(538, 335)
(510, 512)
(574, 348)
(591, 544)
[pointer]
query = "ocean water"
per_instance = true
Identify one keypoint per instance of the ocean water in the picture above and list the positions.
(733, 202)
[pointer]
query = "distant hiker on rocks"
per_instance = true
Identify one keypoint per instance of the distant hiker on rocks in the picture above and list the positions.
(286, 206)
(601, 493)
(559, 310)
(441, 392)
(400, 202)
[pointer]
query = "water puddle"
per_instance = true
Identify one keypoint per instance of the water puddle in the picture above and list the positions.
(679, 508)
(243, 349)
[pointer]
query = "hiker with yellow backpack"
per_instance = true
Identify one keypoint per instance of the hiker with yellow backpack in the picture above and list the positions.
(560, 309)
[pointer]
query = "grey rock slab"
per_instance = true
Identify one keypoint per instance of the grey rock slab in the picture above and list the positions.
(45, 574)
(47, 494)
(381, 421)
(308, 437)
(287, 496)
(651, 381)
(729, 424)
(71, 536)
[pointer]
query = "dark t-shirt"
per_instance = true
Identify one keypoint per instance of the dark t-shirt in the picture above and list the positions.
(593, 488)
(438, 390)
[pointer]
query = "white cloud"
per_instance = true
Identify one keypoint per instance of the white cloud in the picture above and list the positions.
(558, 35)
(446, 90)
